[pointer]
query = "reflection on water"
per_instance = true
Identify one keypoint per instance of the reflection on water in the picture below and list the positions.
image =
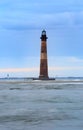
(41, 105)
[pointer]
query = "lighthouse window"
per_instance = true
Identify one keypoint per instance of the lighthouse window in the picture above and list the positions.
(43, 32)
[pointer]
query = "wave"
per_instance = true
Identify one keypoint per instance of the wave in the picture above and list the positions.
(39, 85)
(36, 117)
(45, 86)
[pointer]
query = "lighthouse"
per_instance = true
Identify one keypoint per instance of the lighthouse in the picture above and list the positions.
(43, 57)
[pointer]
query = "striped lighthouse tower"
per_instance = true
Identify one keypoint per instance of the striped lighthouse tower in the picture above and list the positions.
(43, 58)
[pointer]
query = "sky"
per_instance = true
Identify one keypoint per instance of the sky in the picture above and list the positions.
(21, 24)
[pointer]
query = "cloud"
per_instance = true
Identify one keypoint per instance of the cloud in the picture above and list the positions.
(18, 70)
(37, 69)
(65, 61)
(24, 21)
(55, 63)
(75, 60)
(61, 66)
(23, 14)
(66, 68)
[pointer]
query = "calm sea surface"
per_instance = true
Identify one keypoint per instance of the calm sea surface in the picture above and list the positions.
(41, 105)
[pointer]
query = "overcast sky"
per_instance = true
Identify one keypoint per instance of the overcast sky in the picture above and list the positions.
(21, 23)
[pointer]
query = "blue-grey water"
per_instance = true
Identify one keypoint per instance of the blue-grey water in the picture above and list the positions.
(41, 105)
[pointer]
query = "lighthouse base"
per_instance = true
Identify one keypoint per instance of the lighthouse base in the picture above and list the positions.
(43, 78)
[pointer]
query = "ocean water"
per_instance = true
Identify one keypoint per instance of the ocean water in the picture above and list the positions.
(41, 105)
